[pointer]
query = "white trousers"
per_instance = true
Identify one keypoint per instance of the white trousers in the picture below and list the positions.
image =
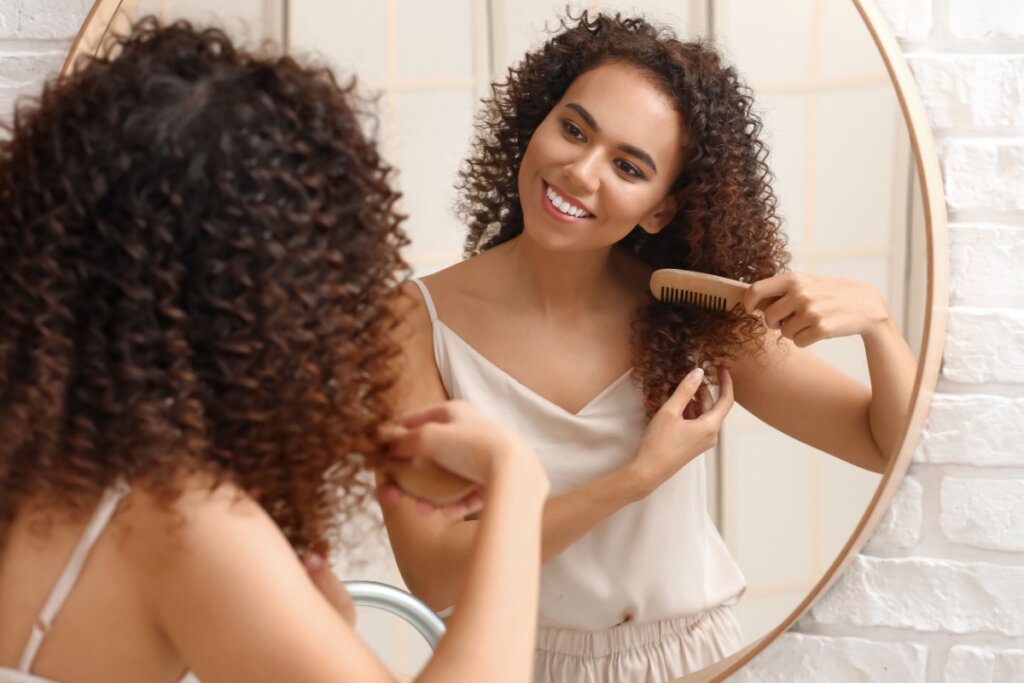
(652, 652)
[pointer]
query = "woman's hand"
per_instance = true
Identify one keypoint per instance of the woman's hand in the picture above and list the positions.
(807, 308)
(329, 586)
(674, 438)
(457, 438)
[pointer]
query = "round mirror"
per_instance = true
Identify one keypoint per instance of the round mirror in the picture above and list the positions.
(855, 173)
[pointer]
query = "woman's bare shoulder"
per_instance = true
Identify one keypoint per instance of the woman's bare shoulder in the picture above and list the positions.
(160, 534)
(230, 594)
(454, 280)
(467, 275)
(471, 287)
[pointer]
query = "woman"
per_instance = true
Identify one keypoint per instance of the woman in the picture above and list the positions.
(199, 247)
(612, 151)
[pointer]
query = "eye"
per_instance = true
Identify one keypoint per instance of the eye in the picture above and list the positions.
(629, 169)
(572, 130)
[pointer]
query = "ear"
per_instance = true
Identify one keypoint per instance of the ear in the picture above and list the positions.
(660, 216)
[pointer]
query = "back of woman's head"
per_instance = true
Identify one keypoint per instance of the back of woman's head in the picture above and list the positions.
(199, 247)
(725, 223)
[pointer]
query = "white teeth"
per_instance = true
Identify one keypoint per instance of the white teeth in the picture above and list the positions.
(564, 206)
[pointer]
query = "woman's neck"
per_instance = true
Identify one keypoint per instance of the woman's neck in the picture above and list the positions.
(562, 283)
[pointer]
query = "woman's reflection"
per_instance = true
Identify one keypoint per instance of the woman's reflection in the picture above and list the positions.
(612, 151)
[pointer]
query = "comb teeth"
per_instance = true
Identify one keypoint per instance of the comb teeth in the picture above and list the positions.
(672, 295)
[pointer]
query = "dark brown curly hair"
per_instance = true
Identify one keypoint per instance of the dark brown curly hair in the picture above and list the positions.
(726, 223)
(200, 252)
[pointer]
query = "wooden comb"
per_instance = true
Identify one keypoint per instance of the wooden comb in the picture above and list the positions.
(426, 480)
(697, 289)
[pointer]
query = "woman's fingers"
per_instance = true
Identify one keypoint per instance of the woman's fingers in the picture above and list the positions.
(725, 400)
(396, 431)
(796, 325)
(409, 443)
(778, 311)
(685, 392)
(702, 402)
(439, 413)
(760, 293)
(391, 432)
(813, 307)
(469, 505)
(329, 586)
(392, 493)
(704, 399)
(806, 336)
(809, 327)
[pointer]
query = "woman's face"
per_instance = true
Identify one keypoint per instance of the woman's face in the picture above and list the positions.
(601, 162)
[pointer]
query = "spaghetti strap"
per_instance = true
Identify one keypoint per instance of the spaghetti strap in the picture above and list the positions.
(427, 299)
(69, 575)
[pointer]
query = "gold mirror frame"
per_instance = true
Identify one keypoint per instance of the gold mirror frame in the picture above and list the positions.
(106, 17)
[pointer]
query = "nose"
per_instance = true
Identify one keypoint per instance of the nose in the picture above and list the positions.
(582, 173)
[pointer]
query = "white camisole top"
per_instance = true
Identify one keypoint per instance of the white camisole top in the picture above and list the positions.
(658, 558)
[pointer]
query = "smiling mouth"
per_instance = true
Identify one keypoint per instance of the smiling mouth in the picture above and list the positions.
(563, 205)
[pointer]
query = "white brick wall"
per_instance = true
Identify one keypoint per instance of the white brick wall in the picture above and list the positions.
(986, 20)
(974, 429)
(938, 595)
(799, 658)
(910, 19)
(21, 74)
(977, 665)
(901, 527)
(972, 353)
(985, 264)
(926, 595)
(971, 90)
(42, 19)
(34, 40)
(984, 174)
(984, 513)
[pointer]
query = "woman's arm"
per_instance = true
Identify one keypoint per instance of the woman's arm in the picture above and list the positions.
(433, 552)
(236, 603)
(796, 392)
(492, 633)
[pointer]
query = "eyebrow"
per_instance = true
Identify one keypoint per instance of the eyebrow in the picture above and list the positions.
(629, 149)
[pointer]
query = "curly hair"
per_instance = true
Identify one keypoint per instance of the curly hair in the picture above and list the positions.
(726, 223)
(200, 252)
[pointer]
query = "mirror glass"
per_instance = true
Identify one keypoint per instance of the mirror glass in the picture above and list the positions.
(844, 175)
